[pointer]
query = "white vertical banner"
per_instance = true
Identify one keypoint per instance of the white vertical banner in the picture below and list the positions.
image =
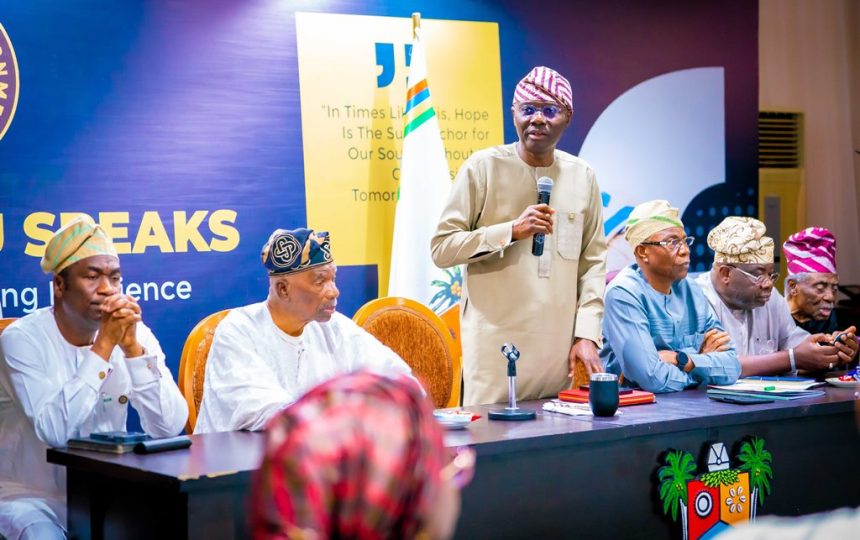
(424, 187)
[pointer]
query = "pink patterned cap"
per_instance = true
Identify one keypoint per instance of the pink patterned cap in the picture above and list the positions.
(544, 84)
(811, 250)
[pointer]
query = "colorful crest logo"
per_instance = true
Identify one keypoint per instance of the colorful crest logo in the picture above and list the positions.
(719, 498)
(9, 82)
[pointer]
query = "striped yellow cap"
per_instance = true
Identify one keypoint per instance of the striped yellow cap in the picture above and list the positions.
(649, 218)
(77, 240)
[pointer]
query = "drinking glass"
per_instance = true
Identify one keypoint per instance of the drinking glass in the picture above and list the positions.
(603, 394)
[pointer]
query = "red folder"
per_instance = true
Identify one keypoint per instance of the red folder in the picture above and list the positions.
(635, 397)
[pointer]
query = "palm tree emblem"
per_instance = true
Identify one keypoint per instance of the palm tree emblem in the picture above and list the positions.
(673, 477)
(449, 291)
(756, 461)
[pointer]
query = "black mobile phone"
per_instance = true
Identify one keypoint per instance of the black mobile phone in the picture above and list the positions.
(839, 338)
(119, 436)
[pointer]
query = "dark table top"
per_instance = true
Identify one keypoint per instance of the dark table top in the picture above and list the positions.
(676, 411)
(213, 457)
(230, 457)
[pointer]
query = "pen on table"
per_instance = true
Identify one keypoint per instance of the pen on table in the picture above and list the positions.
(776, 379)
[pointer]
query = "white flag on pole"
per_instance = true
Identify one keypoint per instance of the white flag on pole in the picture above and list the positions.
(424, 186)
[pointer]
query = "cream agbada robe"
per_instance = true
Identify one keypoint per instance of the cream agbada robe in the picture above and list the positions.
(509, 295)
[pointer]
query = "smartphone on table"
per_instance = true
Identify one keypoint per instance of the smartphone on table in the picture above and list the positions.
(119, 436)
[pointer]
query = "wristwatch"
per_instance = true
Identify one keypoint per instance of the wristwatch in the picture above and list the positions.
(682, 358)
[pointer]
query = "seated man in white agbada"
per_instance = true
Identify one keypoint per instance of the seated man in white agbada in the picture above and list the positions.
(70, 370)
(266, 355)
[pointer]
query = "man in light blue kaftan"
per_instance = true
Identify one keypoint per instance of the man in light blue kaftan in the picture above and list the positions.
(659, 330)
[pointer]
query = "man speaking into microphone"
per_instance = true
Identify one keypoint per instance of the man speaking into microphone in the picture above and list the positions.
(525, 219)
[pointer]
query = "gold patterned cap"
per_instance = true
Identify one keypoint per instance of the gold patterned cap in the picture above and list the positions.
(649, 218)
(741, 240)
(77, 240)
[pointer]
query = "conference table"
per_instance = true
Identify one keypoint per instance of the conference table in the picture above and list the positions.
(557, 476)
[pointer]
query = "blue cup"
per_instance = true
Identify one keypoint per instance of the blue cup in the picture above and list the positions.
(603, 394)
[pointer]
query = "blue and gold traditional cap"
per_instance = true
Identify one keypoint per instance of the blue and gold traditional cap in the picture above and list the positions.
(288, 252)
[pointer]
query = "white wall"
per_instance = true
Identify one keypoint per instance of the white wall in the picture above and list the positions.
(809, 60)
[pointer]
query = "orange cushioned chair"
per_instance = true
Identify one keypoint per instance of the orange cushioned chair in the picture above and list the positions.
(6, 322)
(422, 339)
(451, 318)
(192, 364)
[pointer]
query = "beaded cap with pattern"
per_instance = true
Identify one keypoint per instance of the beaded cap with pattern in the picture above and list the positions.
(544, 84)
(741, 240)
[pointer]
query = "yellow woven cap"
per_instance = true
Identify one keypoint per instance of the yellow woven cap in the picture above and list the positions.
(77, 240)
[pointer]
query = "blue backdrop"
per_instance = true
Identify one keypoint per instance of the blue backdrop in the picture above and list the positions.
(178, 122)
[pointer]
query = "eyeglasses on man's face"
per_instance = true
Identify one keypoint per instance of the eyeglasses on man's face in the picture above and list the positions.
(548, 110)
(757, 279)
(672, 244)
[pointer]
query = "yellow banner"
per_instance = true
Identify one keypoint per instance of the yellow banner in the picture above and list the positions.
(352, 79)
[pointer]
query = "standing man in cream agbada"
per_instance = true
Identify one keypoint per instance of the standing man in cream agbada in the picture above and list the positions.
(549, 306)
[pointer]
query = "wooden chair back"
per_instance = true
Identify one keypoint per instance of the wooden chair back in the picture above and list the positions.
(192, 364)
(422, 339)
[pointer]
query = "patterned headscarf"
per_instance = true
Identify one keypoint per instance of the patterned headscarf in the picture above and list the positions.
(544, 84)
(741, 240)
(77, 240)
(811, 250)
(358, 456)
(287, 252)
(649, 218)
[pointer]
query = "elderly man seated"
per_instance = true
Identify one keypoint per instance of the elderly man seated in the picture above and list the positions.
(266, 355)
(659, 331)
(739, 287)
(812, 282)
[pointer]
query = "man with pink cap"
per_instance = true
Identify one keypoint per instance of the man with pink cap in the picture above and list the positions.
(741, 290)
(550, 305)
(811, 285)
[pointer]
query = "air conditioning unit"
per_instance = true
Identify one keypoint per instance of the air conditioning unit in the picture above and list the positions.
(782, 187)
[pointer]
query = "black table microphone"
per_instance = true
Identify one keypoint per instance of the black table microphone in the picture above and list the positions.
(511, 412)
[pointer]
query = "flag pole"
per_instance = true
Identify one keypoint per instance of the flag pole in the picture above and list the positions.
(416, 24)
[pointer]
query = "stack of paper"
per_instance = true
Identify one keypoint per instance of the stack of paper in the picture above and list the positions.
(570, 409)
(769, 388)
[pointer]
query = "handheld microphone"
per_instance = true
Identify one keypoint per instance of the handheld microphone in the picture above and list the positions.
(544, 185)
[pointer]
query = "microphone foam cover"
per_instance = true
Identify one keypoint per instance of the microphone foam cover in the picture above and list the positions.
(544, 184)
